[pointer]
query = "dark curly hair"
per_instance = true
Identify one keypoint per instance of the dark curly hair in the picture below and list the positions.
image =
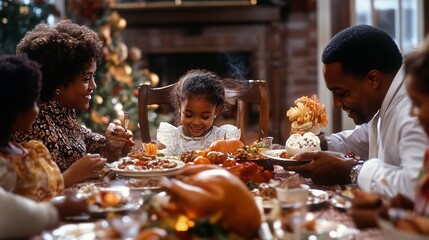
(21, 81)
(198, 82)
(416, 63)
(362, 48)
(64, 51)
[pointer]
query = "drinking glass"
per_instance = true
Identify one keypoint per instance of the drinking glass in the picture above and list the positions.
(293, 207)
(151, 148)
(268, 142)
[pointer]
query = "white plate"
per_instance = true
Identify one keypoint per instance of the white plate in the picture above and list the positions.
(275, 154)
(147, 173)
(81, 231)
(315, 197)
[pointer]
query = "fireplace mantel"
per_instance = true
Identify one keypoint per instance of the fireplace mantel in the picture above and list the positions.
(256, 30)
(143, 17)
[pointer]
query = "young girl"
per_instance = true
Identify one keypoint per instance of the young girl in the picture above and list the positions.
(199, 98)
(26, 169)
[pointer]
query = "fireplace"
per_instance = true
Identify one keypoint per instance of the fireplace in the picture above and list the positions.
(171, 66)
(240, 42)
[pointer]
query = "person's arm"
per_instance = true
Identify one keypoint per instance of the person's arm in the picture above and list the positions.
(355, 141)
(95, 142)
(397, 172)
(22, 217)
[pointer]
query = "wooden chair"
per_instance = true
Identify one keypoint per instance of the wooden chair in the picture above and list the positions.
(255, 93)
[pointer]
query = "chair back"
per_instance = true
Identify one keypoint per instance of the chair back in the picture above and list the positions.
(147, 95)
(255, 93)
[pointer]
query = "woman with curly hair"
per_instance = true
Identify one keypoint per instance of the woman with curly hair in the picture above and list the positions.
(68, 54)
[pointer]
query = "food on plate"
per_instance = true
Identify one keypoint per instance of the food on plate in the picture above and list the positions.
(217, 157)
(299, 144)
(308, 115)
(250, 172)
(265, 190)
(285, 154)
(188, 156)
(227, 146)
(251, 152)
(142, 156)
(136, 164)
(104, 197)
(202, 160)
(209, 191)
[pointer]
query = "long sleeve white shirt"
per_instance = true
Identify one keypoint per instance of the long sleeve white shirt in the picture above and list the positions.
(401, 145)
(22, 217)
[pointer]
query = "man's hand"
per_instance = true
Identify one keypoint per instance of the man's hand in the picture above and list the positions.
(325, 169)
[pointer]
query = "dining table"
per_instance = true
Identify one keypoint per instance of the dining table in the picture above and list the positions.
(69, 228)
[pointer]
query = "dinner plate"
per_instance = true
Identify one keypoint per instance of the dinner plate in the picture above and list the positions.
(277, 160)
(315, 197)
(147, 172)
(81, 231)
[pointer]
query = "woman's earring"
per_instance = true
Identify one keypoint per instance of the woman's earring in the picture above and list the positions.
(57, 91)
(215, 116)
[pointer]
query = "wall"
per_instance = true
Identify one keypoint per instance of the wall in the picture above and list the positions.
(300, 64)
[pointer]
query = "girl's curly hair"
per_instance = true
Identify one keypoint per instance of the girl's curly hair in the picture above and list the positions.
(198, 82)
(63, 51)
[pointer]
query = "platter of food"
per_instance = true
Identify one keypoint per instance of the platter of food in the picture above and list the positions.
(282, 158)
(133, 167)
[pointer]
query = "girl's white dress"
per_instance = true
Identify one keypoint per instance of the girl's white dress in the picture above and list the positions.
(176, 142)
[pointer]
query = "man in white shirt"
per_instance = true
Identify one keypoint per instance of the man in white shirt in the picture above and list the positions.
(361, 67)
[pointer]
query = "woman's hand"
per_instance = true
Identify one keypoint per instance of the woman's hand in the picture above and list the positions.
(84, 168)
(119, 141)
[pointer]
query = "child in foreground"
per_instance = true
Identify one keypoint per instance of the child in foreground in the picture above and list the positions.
(26, 169)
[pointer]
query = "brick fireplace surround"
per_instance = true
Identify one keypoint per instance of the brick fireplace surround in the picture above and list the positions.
(259, 31)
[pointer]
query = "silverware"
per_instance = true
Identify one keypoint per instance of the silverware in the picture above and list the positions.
(126, 121)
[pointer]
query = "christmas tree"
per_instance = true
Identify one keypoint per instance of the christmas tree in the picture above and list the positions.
(18, 17)
(119, 74)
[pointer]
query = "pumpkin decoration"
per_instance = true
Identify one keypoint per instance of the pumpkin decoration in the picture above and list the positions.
(227, 146)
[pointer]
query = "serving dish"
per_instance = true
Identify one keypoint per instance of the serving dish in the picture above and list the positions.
(273, 158)
(146, 172)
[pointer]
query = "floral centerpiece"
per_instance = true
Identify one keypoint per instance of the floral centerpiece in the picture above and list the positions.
(307, 116)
